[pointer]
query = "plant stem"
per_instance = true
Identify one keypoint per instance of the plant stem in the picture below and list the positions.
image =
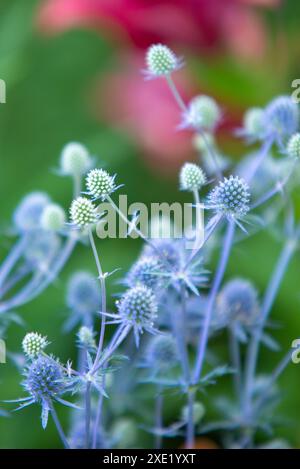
(190, 433)
(228, 241)
(59, 427)
(87, 414)
(158, 418)
(236, 361)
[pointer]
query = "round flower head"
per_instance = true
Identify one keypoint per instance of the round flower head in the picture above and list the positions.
(166, 250)
(161, 353)
(83, 295)
(27, 216)
(53, 217)
(86, 337)
(75, 159)
(138, 308)
(198, 412)
(83, 212)
(100, 184)
(238, 302)
(254, 122)
(191, 177)
(293, 146)
(230, 197)
(161, 61)
(203, 112)
(44, 379)
(33, 344)
(282, 117)
(42, 248)
(146, 272)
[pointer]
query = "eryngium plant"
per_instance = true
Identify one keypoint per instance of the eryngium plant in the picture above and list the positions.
(156, 343)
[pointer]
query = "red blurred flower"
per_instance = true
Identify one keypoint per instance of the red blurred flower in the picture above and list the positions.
(199, 24)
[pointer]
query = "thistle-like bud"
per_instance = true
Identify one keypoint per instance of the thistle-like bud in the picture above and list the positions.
(191, 177)
(99, 183)
(145, 271)
(161, 352)
(198, 412)
(282, 117)
(231, 197)
(138, 307)
(293, 146)
(203, 112)
(53, 217)
(160, 60)
(86, 337)
(44, 379)
(75, 159)
(83, 295)
(83, 212)
(33, 344)
(237, 301)
(254, 122)
(27, 215)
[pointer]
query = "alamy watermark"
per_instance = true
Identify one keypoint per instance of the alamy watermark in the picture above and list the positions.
(2, 351)
(296, 94)
(2, 92)
(160, 220)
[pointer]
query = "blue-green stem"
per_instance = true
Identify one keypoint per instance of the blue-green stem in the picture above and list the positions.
(59, 427)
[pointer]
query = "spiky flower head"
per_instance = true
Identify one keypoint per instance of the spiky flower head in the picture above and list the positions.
(44, 379)
(198, 412)
(138, 307)
(230, 197)
(27, 216)
(293, 146)
(191, 177)
(160, 60)
(253, 122)
(53, 217)
(161, 353)
(83, 295)
(86, 337)
(238, 301)
(99, 183)
(203, 112)
(75, 159)
(83, 212)
(282, 117)
(146, 271)
(33, 344)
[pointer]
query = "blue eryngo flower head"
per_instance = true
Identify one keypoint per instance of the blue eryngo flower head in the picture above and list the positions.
(86, 338)
(253, 123)
(75, 159)
(293, 146)
(231, 197)
(165, 250)
(100, 184)
(281, 118)
(238, 302)
(83, 212)
(33, 344)
(146, 271)
(138, 308)
(161, 61)
(198, 412)
(44, 379)
(203, 113)
(53, 217)
(191, 177)
(43, 246)
(161, 353)
(27, 216)
(83, 295)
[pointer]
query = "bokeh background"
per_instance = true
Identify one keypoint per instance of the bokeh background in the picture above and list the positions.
(72, 69)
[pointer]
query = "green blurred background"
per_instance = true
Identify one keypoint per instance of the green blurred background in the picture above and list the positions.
(49, 82)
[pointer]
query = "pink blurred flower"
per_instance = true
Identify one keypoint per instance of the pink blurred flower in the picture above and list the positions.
(199, 24)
